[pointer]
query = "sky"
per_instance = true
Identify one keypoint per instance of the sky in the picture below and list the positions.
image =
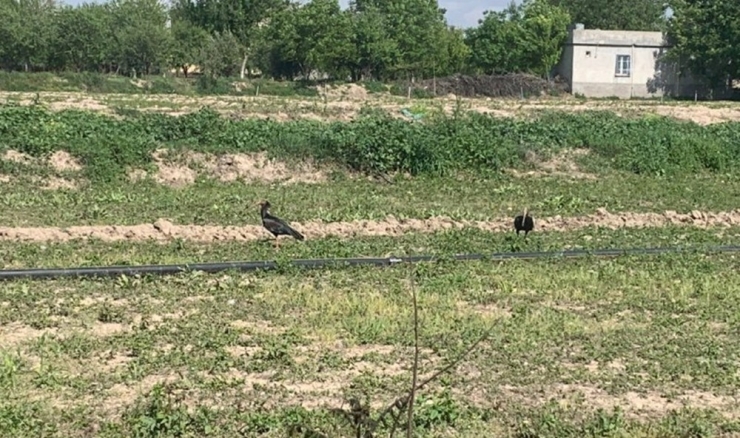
(460, 13)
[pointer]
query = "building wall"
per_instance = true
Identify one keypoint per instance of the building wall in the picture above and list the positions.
(589, 65)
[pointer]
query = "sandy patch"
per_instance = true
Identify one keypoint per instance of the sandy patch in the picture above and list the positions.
(163, 230)
(121, 395)
(227, 168)
(348, 91)
(648, 404)
(491, 311)
(16, 333)
(345, 101)
(563, 164)
(172, 173)
(62, 161)
(258, 167)
(700, 114)
(17, 157)
(77, 102)
(56, 183)
(105, 329)
(644, 405)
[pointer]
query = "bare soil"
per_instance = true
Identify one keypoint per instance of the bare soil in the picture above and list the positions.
(183, 169)
(180, 169)
(344, 103)
(561, 165)
(163, 230)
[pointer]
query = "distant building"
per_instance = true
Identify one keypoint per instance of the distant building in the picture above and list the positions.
(624, 64)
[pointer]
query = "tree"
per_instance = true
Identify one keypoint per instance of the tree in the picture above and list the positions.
(188, 43)
(415, 27)
(83, 38)
(326, 34)
(141, 39)
(522, 38)
(302, 39)
(452, 54)
(706, 39)
(241, 18)
(496, 44)
(647, 15)
(544, 29)
(26, 29)
(375, 50)
(220, 55)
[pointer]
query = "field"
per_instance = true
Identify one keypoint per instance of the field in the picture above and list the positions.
(638, 346)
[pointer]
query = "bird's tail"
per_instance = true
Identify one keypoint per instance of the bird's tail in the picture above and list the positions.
(295, 233)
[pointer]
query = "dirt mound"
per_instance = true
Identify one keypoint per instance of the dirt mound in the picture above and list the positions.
(509, 85)
(62, 161)
(183, 169)
(17, 157)
(562, 164)
(172, 173)
(348, 91)
(163, 230)
(257, 167)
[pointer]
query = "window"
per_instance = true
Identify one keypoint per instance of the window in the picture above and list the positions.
(624, 66)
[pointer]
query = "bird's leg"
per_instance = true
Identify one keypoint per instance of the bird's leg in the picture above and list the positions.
(276, 243)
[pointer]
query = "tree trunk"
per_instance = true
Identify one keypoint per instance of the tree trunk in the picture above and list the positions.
(244, 66)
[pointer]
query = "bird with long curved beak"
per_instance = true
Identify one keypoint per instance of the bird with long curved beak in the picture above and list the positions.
(524, 222)
(275, 225)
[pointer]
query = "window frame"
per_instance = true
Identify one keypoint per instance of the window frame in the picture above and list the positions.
(619, 70)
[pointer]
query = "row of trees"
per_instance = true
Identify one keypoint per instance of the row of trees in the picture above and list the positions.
(372, 39)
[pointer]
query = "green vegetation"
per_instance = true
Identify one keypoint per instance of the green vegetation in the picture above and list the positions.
(378, 143)
(626, 346)
(267, 354)
(210, 202)
(442, 243)
(149, 85)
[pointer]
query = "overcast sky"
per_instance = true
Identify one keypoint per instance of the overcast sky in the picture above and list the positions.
(460, 13)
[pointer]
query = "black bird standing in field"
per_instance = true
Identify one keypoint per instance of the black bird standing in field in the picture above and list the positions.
(275, 225)
(524, 222)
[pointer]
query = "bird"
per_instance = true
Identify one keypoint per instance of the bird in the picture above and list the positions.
(524, 222)
(275, 225)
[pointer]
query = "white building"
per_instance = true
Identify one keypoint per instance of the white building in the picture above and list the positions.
(625, 64)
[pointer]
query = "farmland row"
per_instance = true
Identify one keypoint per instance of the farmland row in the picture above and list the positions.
(163, 230)
(98, 252)
(377, 143)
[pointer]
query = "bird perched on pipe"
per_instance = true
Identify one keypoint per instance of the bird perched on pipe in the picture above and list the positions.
(524, 222)
(275, 225)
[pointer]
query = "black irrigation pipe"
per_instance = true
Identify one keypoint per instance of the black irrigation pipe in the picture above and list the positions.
(114, 271)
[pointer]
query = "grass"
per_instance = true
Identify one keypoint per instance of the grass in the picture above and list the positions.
(443, 243)
(96, 352)
(212, 202)
(626, 346)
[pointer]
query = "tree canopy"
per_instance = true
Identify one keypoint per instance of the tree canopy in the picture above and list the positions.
(370, 40)
(706, 38)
